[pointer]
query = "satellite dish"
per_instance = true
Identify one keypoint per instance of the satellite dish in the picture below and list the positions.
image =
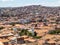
(15, 29)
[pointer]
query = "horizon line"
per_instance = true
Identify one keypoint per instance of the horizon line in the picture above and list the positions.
(27, 5)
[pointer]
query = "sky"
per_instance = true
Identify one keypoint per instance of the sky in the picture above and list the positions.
(19, 3)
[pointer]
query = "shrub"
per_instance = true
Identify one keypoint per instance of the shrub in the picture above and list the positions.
(57, 31)
(26, 32)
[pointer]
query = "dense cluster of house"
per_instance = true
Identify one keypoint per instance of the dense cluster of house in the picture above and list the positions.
(10, 34)
(38, 19)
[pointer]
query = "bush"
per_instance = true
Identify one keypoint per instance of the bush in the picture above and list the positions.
(23, 32)
(26, 32)
(57, 31)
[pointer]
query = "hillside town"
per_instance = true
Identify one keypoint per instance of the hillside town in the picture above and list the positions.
(30, 25)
